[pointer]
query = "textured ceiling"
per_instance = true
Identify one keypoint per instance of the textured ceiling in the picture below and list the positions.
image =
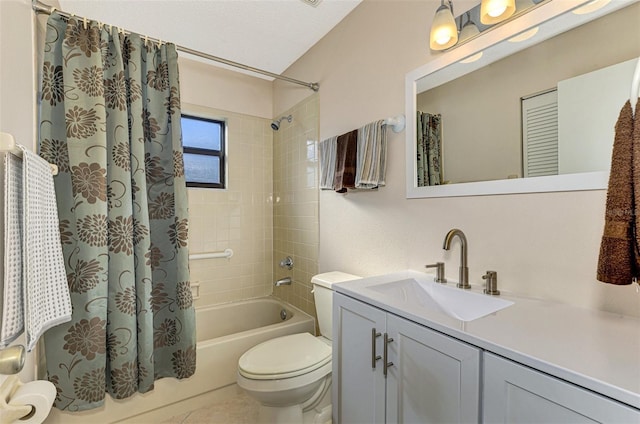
(265, 34)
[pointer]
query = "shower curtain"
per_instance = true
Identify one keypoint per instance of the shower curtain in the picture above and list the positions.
(428, 153)
(110, 120)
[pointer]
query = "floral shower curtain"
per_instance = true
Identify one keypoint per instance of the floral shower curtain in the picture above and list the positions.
(428, 156)
(110, 120)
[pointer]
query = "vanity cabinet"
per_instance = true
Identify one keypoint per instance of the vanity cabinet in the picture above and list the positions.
(428, 377)
(513, 393)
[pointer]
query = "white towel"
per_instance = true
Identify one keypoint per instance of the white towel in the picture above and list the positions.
(46, 292)
(13, 301)
(327, 149)
(371, 161)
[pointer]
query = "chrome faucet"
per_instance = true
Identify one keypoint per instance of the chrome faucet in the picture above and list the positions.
(286, 281)
(463, 281)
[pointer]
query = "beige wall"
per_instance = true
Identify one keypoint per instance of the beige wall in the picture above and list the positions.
(489, 98)
(543, 245)
(218, 88)
(295, 191)
(240, 217)
(17, 70)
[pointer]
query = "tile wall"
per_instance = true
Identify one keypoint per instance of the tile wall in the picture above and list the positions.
(240, 217)
(295, 208)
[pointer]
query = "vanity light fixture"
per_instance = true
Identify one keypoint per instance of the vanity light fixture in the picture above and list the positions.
(494, 11)
(444, 31)
(469, 30)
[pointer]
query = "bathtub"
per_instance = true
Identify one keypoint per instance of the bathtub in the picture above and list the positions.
(224, 333)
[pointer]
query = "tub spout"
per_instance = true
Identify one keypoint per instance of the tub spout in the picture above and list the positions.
(286, 281)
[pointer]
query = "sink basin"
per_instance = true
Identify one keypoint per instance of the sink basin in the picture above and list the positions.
(457, 303)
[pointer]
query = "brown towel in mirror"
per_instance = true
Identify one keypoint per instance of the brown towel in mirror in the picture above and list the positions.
(617, 261)
(346, 157)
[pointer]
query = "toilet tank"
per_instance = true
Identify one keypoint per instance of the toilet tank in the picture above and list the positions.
(323, 297)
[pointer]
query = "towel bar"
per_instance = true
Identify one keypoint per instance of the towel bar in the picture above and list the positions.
(227, 253)
(8, 144)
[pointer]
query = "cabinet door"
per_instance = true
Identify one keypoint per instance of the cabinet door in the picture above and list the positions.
(358, 387)
(434, 378)
(517, 394)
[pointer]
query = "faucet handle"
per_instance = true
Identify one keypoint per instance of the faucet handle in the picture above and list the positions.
(439, 266)
(491, 286)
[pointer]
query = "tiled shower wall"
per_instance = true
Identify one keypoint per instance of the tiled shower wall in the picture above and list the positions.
(240, 217)
(295, 207)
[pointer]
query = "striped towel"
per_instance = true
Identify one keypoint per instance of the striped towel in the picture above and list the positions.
(12, 300)
(46, 292)
(327, 149)
(372, 156)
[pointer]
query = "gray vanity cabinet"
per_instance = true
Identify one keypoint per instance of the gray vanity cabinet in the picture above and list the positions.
(430, 377)
(513, 393)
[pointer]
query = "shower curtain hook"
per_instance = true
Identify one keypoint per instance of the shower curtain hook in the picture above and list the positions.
(84, 23)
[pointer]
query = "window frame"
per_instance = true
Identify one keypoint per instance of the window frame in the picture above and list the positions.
(221, 154)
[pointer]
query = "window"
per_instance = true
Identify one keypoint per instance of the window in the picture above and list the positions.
(203, 143)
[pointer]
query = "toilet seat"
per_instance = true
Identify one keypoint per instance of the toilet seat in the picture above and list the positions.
(285, 357)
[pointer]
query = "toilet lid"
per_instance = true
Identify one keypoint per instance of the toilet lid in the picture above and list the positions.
(284, 357)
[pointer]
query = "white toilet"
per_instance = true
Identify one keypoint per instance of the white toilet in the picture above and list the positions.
(291, 375)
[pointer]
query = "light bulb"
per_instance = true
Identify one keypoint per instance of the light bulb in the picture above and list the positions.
(442, 36)
(444, 32)
(496, 10)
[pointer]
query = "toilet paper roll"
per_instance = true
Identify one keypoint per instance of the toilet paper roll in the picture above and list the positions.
(40, 395)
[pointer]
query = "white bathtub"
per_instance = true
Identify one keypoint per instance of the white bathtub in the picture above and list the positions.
(224, 333)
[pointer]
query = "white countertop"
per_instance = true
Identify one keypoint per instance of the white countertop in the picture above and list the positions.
(593, 349)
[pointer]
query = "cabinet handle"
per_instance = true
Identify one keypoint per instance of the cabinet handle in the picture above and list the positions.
(386, 364)
(374, 357)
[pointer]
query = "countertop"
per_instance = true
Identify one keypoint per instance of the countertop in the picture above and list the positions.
(597, 350)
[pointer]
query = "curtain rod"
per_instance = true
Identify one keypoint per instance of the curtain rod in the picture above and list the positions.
(40, 7)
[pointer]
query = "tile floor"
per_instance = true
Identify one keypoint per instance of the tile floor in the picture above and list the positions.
(238, 410)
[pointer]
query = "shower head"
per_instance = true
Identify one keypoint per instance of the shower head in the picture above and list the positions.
(275, 125)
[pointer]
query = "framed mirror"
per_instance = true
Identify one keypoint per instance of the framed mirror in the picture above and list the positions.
(486, 110)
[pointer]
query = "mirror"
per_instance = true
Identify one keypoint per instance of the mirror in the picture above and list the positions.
(486, 153)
